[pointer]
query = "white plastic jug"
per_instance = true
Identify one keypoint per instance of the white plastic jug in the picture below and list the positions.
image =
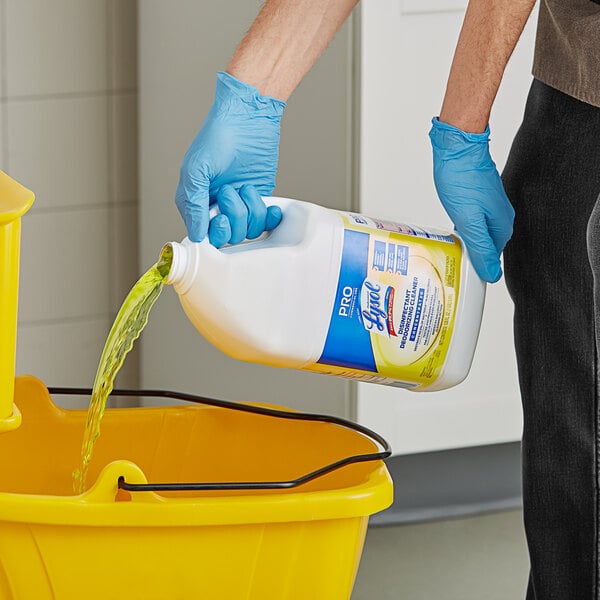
(337, 293)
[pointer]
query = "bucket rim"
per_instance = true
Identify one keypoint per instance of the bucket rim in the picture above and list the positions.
(103, 504)
(263, 410)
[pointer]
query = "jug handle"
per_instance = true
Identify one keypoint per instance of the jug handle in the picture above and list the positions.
(283, 203)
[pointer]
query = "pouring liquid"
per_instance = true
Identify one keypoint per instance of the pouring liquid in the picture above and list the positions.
(127, 327)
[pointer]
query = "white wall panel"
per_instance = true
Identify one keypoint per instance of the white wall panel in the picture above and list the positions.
(405, 62)
(428, 6)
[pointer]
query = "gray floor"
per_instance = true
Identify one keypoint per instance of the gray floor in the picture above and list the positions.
(475, 558)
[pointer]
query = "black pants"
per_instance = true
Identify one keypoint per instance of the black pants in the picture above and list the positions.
(552, 266)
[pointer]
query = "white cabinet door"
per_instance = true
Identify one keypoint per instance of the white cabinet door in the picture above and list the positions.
(405, 60)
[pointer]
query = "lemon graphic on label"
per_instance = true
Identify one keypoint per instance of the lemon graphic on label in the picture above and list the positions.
(403, 313)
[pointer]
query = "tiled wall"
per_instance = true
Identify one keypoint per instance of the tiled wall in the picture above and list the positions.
(68, 127)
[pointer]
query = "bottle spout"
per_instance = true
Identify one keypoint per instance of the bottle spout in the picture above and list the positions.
(172, 262)
(179, 262)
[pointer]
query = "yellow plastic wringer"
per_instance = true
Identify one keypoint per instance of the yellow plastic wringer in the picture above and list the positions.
(275, 524)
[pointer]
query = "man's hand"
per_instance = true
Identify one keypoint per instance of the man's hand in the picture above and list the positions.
(233, 162)
(471, 191)
(465, 176)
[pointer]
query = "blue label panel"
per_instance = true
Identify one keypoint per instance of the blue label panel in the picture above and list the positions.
(391, 257)
(348, 343)
(379, 251)
(402, 260)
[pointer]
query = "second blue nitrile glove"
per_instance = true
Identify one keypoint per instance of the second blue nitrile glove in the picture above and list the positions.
(471, 191)
(232, 161)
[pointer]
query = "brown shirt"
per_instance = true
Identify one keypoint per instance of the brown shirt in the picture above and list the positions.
(567, 48)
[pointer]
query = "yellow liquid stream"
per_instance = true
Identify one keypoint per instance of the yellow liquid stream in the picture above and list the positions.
(129, 323)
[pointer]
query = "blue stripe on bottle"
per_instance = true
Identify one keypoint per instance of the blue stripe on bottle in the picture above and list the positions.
(348, 344)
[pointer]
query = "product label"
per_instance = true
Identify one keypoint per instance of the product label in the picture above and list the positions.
(395, 304)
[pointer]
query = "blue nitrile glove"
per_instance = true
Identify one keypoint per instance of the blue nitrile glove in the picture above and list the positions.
(232, 161)
(471, 191)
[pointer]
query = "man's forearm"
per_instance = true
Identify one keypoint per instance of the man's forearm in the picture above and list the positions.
(285, 41)
(488, 37)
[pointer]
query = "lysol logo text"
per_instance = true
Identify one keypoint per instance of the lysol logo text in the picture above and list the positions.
(373, 306)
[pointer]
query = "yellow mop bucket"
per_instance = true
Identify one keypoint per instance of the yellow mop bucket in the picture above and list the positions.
(244, 501)
(212, 500)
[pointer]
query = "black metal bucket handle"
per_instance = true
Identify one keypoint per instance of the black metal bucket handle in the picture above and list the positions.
(259, 410)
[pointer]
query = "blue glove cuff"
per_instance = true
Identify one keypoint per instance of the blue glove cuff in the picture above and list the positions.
(444, 134)
(228, 85)
(450, 142)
